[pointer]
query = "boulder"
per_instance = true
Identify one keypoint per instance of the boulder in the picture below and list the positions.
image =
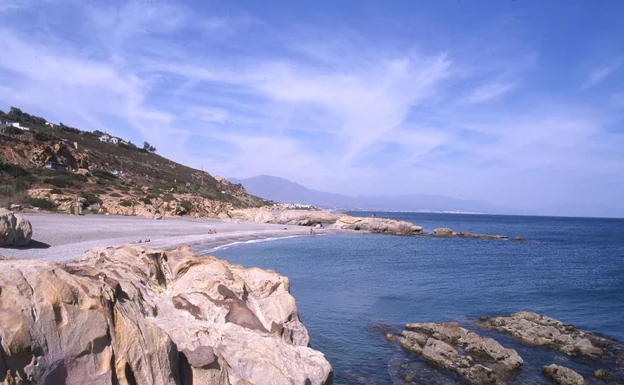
(377, 225)
(476, 359)
(539, 330)
(562, 375)
(443, 232)
(15, 230)
(131, 315)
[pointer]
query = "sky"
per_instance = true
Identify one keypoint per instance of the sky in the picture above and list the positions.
(517, 103)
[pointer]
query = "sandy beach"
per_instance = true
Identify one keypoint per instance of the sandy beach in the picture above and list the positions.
(62, 237)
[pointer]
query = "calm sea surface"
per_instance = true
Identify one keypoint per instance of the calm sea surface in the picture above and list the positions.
(350, 288)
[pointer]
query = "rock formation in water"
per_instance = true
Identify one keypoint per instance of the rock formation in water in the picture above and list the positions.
(539, 330)
(377, 225)
(475, 359)
(15, 230)
(131, 315)
(562, 375)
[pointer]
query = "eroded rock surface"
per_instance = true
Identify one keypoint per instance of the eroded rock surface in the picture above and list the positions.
(377, 225)
(539, 330)
(15, 230)
(562, 375)
(476, 359)
(131, 315)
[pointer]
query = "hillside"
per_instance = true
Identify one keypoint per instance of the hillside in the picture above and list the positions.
(285, 191)
(103, 177)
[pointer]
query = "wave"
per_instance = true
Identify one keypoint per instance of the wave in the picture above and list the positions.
(262, 240)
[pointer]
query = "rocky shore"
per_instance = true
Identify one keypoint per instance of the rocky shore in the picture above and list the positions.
(484, 360)
(130, 315)
(279, 215)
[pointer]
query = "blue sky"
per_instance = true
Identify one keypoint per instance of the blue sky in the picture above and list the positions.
(518, 103)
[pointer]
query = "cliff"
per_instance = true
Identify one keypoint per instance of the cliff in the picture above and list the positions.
(118, 178)
(131, 315)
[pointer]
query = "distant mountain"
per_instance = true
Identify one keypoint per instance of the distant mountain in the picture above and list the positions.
(285, 191)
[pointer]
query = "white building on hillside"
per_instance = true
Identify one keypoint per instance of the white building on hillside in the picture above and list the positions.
(114, 140)
(105, 138)
(17, 125)
(51, 125)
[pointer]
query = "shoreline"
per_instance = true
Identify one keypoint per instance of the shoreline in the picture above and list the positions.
(62, 237)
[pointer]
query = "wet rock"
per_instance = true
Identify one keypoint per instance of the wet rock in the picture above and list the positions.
(476, 359)
(131, 315)
(15, 230)
(603, 375)
(539, 330)
(562, 375)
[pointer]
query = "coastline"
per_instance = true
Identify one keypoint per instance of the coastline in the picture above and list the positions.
(62, 237)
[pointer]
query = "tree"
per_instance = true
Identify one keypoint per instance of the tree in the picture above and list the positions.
(148, 147)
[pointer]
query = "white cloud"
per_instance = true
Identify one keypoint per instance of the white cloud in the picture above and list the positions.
(599, 74)
(488, 92)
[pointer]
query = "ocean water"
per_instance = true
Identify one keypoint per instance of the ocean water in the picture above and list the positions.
(351, 288)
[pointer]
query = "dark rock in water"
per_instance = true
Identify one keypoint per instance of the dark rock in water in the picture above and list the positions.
(562, 375)
(475, 359)
(520, 239)
(539, 330)
(446, 232)
(603, 375)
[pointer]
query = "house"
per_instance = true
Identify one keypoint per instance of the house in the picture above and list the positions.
(105, 138)
(56, 166)
(114, 140)
(17, 125)
(51, 125)
(123, 142)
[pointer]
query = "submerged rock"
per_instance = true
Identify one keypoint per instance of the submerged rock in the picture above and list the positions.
(15, 230)
(562, 375)
(476, 359)
(539, 330)
(131, 315)
(603, 375)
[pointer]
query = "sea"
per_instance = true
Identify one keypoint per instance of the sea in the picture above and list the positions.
(353, 288)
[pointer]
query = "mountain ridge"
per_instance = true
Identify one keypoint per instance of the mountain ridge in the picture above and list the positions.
(285, 191)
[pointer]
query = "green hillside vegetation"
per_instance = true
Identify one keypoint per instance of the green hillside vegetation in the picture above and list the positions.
(98, 167)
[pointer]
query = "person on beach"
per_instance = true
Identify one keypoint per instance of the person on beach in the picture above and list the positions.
(312, 233)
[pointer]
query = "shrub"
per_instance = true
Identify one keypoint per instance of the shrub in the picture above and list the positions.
(116, 195)
(43, 204)
(126, 203)
(146, 200)
(42, 136)
(13, 131)
(90, 199)
(66, 180)
(56, 191)
(168, 198)
(186, 205)
(14, 170)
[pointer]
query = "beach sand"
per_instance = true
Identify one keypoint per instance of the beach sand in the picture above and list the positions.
(62, 237)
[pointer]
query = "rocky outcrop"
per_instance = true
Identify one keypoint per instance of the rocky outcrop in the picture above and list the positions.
(15, 230)
(446, 232)
(59, 152)
(443, 232)
(280, 216)
(476, 359)
(130, 315)
(539, 330)
(377, 225)
(562, 375)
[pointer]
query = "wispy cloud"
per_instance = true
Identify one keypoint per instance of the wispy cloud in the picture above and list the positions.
(488, 92)
(337, 110)
(599, 74)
